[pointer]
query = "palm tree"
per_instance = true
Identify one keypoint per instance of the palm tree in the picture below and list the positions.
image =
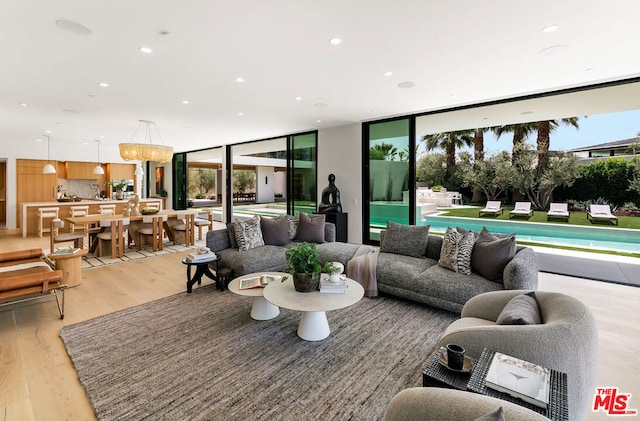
(520, 133)
(545, 128)
(449, 141)
(383, 152)
(478, 155)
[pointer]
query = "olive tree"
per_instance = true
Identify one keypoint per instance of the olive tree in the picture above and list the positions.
(431, 169)
(493, 174)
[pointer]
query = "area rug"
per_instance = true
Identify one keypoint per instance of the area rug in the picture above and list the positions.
(200, 356)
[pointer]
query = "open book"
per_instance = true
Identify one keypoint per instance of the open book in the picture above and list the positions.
(65, 251)
(519, 378)
(257, 281)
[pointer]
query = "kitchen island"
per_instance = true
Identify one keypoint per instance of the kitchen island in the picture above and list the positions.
(29, 211)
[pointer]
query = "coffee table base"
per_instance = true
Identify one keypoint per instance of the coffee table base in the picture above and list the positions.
(313, 326)
(263, 309)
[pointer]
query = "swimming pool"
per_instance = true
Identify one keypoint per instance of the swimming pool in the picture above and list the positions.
(603, 238)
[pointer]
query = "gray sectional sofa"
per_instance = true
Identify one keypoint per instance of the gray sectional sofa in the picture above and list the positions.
(416, 278)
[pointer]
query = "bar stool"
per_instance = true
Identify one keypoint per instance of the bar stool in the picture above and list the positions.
(115, 232)
(152, 205)
(78, 211)
(224, 276)
(107, 209)
(200, 222)
(56, 238)
(45, 213)
(154, 231)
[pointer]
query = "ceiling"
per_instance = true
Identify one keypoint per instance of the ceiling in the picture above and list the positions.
(441, 54)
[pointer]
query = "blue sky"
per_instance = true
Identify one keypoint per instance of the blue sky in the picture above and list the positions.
(594, 129)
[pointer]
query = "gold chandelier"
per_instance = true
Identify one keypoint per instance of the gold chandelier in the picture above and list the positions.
(146, 151)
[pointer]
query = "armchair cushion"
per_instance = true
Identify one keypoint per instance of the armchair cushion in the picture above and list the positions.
(497, 415)
(520, 310)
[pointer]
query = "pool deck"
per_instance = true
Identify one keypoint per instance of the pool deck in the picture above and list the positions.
(601, 267)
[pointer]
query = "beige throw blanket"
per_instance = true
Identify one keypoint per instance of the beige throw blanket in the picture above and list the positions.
(362, 269)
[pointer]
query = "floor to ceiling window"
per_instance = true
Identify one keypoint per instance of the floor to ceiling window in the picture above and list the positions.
(388, 154)
(303, 173)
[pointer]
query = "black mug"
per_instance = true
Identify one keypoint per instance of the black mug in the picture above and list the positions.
(455, 356)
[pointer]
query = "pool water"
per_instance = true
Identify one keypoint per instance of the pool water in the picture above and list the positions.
(596, 237)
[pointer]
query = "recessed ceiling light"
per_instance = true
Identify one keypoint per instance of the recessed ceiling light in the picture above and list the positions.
(588, 69)
(23, 104)
(318, 121)
(165, 33)
(184, 101)
(103, 84)
(38, 140)
(239, 79)
(554, 50)
(101, 137)
(85, 143)
(526, 112)
(298, 98)
(48, 131)
(550, 28)
(320, 105)
(146, 50)
(335, 41)
(405, 85)
(240, 114)
(387, 74)
(73, 27)
(70, 111)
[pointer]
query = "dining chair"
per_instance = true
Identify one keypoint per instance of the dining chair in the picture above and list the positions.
(204, 219)
(107, 209)
(55, 237)
(113, 231)
(153, 230)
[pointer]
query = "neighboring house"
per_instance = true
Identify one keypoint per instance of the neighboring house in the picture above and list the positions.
(620, 148)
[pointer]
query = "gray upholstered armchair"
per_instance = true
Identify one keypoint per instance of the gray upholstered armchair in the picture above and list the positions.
(435, 404)
(567, 339)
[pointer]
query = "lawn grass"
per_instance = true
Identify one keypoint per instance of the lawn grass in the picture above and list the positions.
(575, 218)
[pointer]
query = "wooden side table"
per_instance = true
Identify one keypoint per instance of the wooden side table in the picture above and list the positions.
(71, 267)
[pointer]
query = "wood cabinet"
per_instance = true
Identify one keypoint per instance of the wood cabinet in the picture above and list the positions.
(32, 185)
(122, 171)
(80, 170)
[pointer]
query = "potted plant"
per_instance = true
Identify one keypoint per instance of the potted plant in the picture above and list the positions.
(119, 186)
(305, 267)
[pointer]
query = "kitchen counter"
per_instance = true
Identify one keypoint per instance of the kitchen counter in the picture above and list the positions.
(29, 215)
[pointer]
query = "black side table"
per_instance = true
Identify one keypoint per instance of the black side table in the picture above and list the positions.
(436, 375)
(202, 268)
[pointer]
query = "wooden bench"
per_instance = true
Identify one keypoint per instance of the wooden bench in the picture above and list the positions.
(24, 275)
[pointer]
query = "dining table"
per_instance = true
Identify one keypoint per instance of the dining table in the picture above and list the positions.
(188, 215)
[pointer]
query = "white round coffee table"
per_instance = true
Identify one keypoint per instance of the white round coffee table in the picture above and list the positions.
(313, 305)
(261, 309)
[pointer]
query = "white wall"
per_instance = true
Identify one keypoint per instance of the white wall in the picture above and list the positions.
(339, 154)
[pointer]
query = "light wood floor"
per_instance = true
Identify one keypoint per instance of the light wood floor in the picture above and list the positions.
(38, 381)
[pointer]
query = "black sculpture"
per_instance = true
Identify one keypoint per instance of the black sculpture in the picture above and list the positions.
(330, 198)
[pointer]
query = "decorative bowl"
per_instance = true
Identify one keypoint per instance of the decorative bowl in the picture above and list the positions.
(149, 211)
(65, 199)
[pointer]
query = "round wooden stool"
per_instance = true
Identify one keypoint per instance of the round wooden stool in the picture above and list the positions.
(224, 277)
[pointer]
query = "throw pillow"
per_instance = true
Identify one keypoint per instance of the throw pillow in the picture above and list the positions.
(294, 221)
(408, 240)
(449, 252)
(465, 250)
(249, 234)
(275, 231)
(311, 228)
(521, 310)
(232, 234)
(497, 415)
(491, 254)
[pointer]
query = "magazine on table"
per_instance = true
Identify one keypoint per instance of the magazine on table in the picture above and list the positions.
(257, 281)
(519, 378)
(65, 251)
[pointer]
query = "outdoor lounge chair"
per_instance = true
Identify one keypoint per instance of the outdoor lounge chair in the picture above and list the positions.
(521, 209)
(601, 213)
(558, 211)
(491, 208)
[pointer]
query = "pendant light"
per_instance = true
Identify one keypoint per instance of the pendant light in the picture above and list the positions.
(48, 169)
(147, 151)
(98, 169)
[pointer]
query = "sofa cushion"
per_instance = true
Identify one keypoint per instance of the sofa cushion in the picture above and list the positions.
(491, 254)
(336, 252)
(232, 234)
(293, 221)
(449, 253)
(521, 310)
(465, 249)
(249, 234)
(260, 259)
(407, 240)
(275, 231)
(311, 228)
